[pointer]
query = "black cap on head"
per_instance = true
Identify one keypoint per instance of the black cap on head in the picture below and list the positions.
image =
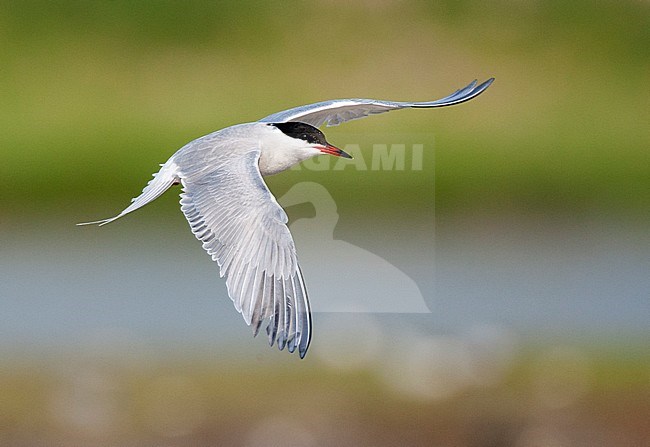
(302, 131)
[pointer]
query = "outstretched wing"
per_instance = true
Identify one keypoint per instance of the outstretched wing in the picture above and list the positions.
(338, 111)
(231, 210)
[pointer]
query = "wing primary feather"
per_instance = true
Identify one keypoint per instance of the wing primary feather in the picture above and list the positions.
(282, 306)
(233, 278)
(254, 296)
(260, 311)
(246, 293)
(463, 91)
(288, 312)
(305, 336)
(272, 328)
(293, 308)
(299, 310)
(268, 310)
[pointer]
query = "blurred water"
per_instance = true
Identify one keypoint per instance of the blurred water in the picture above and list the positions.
(71, 287)
(124, 335)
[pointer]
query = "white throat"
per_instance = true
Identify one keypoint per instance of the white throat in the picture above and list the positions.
(279, 151)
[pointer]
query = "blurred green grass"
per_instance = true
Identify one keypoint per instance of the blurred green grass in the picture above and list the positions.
(96, 94)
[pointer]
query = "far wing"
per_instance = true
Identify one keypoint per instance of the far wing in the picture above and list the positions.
(338, 111)
(243, 228)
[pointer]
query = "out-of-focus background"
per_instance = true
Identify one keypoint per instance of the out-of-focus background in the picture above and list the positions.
(525, 227)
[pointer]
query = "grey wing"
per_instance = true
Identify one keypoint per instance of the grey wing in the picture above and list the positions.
(244, 229)
(338, 111)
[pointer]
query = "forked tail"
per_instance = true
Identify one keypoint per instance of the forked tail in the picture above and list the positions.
(161, 181)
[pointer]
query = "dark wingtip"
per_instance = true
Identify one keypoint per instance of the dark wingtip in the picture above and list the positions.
(256, 327)
(469, 92)
(271, 330)
(291, 343)
(281, 341)
(481, 88)
(460, 96)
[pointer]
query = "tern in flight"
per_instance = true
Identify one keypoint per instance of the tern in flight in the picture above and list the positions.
(241, 225)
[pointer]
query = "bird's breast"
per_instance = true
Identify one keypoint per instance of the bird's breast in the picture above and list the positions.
(274, 161)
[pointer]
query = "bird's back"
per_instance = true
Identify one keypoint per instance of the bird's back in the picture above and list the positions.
(216, 149)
